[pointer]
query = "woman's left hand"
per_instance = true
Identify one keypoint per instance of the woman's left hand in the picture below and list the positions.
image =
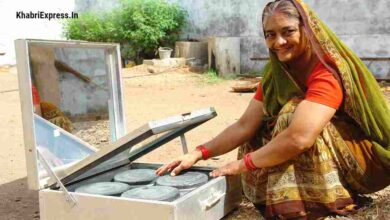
(232, 168)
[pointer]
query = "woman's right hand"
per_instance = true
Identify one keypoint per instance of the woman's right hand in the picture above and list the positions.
(184, 162)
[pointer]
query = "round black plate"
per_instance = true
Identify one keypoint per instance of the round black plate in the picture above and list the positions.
(184, 181)
(136, 176)
(104, 188)
(157, 193)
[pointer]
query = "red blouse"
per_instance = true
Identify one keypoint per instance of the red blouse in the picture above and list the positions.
(322, 88)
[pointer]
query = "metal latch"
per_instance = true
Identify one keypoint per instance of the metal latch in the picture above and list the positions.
(69, 197)
(212, 200)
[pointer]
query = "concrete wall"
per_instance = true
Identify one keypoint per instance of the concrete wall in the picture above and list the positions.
(95, 5)
(228, 18)
(77, 97)
(364, 25)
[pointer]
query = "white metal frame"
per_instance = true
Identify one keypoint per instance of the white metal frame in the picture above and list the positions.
(117, 119)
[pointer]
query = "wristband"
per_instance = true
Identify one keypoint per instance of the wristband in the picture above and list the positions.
(249, 163)
(205, 152)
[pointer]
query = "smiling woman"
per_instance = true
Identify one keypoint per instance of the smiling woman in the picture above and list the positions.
(283, 31)
(316, 133)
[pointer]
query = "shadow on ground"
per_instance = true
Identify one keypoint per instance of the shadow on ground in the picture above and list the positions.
(17, 201)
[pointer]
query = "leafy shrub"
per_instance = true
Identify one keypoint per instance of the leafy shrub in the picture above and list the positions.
(91, 26)
(140, 26)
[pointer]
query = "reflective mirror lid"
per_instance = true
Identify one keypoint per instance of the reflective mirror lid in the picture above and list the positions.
(71, 158)
(59, 147)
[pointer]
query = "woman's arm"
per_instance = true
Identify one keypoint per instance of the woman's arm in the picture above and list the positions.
(307, 123)
(239, 132)
(227, 140)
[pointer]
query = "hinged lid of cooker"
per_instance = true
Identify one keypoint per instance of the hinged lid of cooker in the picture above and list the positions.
(72, 78)
(79, 79)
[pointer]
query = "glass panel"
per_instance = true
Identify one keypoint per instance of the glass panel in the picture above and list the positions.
(76, 87)
(57, 147)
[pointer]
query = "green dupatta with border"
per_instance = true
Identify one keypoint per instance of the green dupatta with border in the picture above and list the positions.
(364, 102)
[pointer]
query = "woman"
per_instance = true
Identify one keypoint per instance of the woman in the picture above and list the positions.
(318, 129)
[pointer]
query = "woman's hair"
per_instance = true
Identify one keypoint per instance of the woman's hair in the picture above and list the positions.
(281, 6)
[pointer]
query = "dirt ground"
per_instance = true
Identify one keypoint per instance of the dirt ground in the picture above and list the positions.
(146, 97)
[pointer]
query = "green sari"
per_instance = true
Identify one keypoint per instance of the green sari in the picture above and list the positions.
(351, 155)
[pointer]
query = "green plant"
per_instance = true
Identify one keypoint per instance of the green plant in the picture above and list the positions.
(91, 26)
(140, 26)
(212, 77)
(148, 24)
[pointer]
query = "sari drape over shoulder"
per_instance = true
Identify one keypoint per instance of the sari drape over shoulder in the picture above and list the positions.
(363, 100)
(352, 154)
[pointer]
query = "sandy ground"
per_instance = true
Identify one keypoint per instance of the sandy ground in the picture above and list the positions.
(146, 97)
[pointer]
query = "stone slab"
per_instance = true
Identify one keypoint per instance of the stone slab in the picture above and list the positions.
(170, 62)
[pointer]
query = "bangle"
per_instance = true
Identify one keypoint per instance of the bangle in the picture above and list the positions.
(205, 152)
(249, 163)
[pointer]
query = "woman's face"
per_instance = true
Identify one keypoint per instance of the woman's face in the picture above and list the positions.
(284, 37)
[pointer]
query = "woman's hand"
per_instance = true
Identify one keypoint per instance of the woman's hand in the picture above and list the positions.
(233, 168)
(184, 162)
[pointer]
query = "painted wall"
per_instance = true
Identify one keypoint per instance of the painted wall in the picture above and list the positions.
(95, 5)
(364, 25)
(80, 98)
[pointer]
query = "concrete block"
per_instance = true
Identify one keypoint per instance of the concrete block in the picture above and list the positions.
(224, 55)
(148, 62)
(170, 62)
(189, 49)
(380, 69)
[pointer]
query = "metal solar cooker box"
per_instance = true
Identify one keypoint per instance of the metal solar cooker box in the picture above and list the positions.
(58, 162)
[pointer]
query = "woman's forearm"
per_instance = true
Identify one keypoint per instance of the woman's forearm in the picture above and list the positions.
(280, 149)
(227, 140)
(239, 132)
(233, 136)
